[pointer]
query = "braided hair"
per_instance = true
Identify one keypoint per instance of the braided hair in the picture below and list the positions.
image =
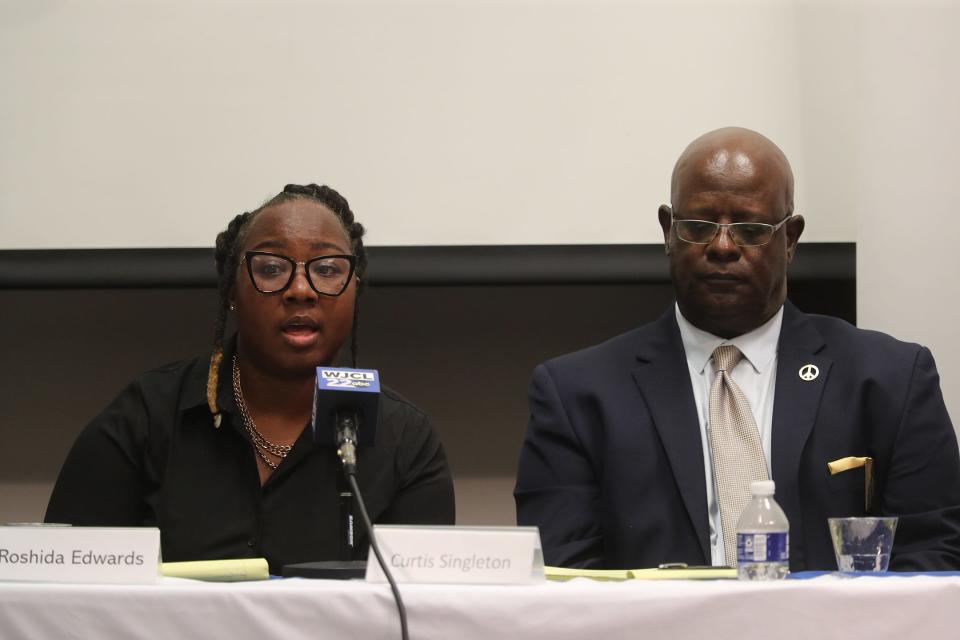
(230, 242)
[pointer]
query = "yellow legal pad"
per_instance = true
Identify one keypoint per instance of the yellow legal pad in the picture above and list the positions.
(218, 570)
(679, 573)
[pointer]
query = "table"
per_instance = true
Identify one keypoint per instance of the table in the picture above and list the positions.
(826, 607)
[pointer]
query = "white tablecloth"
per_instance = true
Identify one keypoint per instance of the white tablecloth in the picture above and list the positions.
(827, 607)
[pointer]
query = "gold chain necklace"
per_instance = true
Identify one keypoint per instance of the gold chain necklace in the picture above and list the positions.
(260, 443)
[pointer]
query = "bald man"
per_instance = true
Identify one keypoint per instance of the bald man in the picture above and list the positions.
(619, 468)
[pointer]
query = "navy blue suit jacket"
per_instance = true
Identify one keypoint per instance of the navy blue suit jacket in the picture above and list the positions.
(611, 468)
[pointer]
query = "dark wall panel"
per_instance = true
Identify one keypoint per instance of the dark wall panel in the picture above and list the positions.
(462, 353)
(456, 329)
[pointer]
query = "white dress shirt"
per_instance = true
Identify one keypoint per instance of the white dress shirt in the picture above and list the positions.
(756, 375)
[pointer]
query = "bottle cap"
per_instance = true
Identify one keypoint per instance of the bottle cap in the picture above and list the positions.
(762, 487)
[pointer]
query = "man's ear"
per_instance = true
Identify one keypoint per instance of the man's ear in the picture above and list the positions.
(665, 214)
(794, 230)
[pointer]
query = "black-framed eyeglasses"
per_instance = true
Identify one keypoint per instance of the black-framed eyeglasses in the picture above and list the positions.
(744, 234)
(273, 273)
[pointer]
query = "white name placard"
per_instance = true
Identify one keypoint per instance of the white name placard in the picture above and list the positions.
(458, 555)
(38, 553)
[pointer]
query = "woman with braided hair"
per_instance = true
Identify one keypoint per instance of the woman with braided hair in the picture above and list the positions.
(215, 451)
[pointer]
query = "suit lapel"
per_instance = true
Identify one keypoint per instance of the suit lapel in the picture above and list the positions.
(795, 406)
(664, 382)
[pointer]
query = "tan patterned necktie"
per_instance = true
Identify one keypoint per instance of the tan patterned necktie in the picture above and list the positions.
(734, 446)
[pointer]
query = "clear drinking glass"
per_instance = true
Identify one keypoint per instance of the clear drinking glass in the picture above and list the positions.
(862, 545)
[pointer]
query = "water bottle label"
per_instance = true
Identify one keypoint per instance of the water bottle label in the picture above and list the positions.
(763, 547)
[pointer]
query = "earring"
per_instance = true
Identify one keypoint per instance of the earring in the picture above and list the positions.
(233, 307)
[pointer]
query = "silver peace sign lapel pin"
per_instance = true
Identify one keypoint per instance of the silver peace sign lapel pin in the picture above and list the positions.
(809, 372)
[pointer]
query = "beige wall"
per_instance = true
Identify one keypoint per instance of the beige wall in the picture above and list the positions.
(460, 122)
(908, 220)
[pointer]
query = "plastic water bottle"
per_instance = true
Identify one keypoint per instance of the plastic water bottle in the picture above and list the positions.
(763, 536)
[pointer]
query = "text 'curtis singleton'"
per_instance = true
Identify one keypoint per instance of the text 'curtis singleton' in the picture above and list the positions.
(464, 563)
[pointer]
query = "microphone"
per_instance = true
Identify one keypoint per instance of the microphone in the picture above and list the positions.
(345, 407)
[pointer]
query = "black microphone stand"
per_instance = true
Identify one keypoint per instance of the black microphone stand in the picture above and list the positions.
(347, 450)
